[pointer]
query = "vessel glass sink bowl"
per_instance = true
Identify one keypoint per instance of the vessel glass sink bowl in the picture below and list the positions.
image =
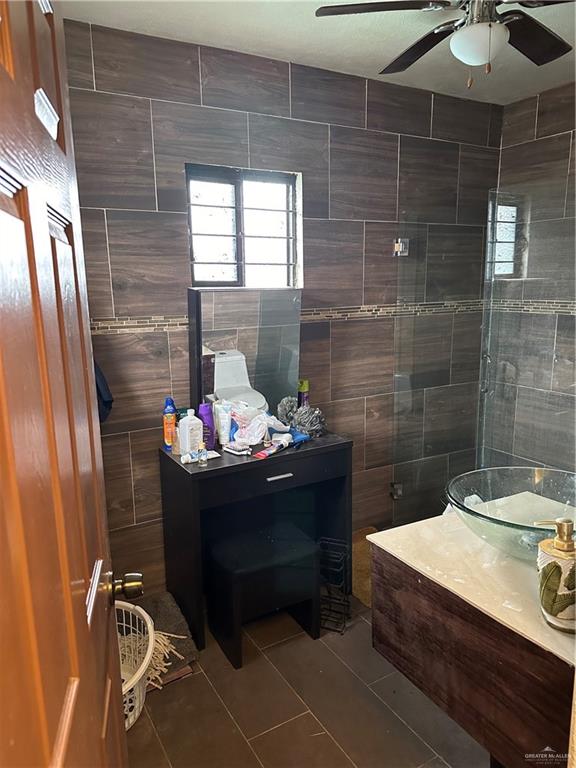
(501, 505)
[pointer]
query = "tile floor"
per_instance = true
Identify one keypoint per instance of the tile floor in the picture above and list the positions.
(298, 703)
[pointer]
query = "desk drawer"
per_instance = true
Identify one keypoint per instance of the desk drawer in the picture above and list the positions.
(272, 475)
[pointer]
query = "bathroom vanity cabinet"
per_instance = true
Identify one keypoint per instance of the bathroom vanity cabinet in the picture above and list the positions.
(462, 621)
(309, 486)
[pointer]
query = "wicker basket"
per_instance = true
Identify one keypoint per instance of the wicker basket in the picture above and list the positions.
(136, 644)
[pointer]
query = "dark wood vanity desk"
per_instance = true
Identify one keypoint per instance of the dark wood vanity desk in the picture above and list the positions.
(311, 486)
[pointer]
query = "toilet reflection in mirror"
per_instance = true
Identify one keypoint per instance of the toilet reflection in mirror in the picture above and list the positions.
(244, 345)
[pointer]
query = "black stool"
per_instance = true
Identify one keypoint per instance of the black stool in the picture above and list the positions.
(258, 572)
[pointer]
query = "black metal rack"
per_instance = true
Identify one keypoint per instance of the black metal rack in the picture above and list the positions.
(334, 574)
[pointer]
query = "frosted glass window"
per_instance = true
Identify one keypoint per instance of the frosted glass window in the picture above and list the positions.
(212, 221)
(242, 226)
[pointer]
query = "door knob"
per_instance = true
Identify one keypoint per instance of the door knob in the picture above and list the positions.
(131, 585)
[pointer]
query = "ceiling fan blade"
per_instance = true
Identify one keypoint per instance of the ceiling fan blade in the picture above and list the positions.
(532, 39)
(416, 51)
(542, 3)
(391, 5)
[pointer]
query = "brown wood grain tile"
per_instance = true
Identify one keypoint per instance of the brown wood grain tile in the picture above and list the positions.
(362, 358)
(273, 629)
(519, 121)
(564, 373)
(140, 548)
(550, 262)
(544, 429)
(346, 418)
(179, 367)
(422, 351)
(367, 731)
(154, 67)
(354, 647)
(257, 696)
(144, 445)
(454, 262)
(466, 344)
(371, 500)
(113, 150)
(137, 371)
(97, 264)
(188, 134)
(398, 109)
(478, 175)
(428, 180)
(236, 308)
(235, 80)
(363, 174)
(556, 111)
(220, 340)
(389, 279)
(78, 54)
(300, 742)
(144, 747)
(194, 726)
(450, 418)
(149, 278)
(315, 359)
(296, 146)
(495, 130)
(460, 120)
(327, 97)
(118, 480)
(539, 170)
(523, 345)
(332, 263)
(445, 736)
(460, 462)
(570, 209)
(394, 428)
(207, 309)
(423, 484)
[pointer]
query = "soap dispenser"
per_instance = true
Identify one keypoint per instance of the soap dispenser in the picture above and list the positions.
(557, 570)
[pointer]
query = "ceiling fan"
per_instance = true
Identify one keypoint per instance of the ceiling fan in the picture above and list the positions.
(477, 37)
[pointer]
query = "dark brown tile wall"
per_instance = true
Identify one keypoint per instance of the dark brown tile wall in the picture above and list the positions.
(374, 169)
(530, 410)
(153, 67)
(327, 97)
(234, 80)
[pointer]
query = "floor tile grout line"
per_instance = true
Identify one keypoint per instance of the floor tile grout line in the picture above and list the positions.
(276, 642)
(153, 724)
(383, 702)
(230, 715)
(279, 725)
(381, 678)
(269, 660)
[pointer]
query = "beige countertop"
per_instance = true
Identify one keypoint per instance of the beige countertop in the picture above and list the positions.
(505, 588)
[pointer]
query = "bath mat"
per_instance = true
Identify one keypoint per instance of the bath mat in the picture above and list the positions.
(168, 618)
(361, 575)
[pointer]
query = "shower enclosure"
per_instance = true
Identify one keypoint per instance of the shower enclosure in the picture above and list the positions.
(527, 387)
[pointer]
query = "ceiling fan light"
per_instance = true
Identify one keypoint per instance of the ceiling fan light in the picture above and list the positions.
(477, 44)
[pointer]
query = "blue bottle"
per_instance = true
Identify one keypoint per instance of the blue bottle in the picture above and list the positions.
(169, 423)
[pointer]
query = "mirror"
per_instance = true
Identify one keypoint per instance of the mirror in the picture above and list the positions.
(244, 344)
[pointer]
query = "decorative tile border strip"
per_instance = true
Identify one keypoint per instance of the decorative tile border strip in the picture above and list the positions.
(138, 324)
(542, 306)
(368, 311)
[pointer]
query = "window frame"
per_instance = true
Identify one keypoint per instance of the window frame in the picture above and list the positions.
(235, 177)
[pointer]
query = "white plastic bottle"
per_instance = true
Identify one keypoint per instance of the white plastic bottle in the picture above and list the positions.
(191, 432)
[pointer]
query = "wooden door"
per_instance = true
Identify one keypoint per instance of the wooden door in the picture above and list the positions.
(60, 703)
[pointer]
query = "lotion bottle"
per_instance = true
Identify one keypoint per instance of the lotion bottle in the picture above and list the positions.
(191, 432)
(557, 570)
